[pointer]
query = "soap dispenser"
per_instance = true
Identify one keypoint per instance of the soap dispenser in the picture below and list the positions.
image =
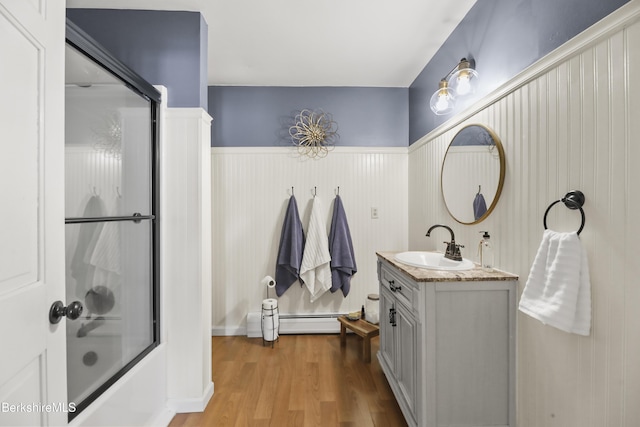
(485, 249)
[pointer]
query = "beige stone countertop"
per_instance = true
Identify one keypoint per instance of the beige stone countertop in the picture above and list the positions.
(426, 275)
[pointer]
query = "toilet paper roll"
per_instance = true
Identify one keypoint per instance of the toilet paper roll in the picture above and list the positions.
(270, 304)
(270, 319)
(268, 281)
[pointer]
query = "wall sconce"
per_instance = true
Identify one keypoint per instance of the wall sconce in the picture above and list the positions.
(460, 81)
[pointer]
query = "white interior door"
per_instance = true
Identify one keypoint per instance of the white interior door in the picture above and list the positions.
(32, 352)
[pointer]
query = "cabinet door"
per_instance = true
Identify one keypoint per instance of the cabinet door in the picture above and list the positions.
(387, 330)
(406, 355)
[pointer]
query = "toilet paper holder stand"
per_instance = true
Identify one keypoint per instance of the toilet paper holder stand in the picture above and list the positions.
(270, 318)
(270, 322)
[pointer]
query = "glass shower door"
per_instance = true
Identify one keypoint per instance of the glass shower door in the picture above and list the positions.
(110, 227)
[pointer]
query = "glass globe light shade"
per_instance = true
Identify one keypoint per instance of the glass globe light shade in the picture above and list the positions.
(443, 100)
(463, 81)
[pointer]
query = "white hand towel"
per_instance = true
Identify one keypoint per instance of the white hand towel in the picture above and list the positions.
(315, 270)
(558, 290)
(107, 252)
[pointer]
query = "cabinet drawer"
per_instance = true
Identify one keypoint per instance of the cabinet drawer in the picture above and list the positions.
(404, 291)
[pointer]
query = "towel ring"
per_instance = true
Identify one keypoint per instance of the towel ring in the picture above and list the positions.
(572, 200)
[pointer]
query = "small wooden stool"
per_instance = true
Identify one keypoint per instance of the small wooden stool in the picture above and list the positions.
(361, 328)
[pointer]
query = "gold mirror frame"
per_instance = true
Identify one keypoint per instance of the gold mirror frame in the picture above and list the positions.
(469, 171)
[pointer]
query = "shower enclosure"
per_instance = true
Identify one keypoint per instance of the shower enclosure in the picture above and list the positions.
(111, 203)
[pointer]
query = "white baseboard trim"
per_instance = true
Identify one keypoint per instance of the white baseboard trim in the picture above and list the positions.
(228, 331)
(191, 404)
(161, 419)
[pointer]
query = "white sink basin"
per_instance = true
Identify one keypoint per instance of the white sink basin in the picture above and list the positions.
(433, 261)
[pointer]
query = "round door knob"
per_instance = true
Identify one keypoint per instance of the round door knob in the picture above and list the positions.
(58, 311)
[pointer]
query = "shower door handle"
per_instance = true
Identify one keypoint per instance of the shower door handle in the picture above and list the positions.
(58, 311)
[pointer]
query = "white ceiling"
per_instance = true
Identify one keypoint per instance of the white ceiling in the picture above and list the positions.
(379, 43)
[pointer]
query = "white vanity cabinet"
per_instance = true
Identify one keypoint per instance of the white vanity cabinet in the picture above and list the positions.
(447, 344)
(399, 338)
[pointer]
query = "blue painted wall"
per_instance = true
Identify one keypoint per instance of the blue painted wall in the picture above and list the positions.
(261, 116)
(165, 47)
(204, 64)
(504, 37)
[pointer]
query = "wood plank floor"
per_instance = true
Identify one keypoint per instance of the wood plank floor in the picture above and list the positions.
(305, 380)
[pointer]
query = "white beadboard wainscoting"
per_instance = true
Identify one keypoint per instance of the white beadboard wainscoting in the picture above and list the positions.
(569, 122)
(250, 191)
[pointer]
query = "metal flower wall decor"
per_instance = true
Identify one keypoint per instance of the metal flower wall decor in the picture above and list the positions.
(108, 137)
(314, 133)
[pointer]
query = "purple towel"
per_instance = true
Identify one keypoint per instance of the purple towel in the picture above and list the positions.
(343, 261)
(290, 249)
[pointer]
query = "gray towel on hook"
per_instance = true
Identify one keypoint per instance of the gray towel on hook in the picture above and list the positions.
(290, 249)
(343, 261)
(479, 206)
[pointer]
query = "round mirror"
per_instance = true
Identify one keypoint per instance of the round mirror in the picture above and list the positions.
(472, 174)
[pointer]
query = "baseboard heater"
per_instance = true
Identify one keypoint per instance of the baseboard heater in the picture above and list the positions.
(296, 324)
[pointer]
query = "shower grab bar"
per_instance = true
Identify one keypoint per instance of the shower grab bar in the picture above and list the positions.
(135, 218)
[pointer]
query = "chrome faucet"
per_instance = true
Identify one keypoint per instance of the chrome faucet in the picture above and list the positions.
(453, 250)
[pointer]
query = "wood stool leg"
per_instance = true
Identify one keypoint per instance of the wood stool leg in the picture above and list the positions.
(366, 349)
(343, 334)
